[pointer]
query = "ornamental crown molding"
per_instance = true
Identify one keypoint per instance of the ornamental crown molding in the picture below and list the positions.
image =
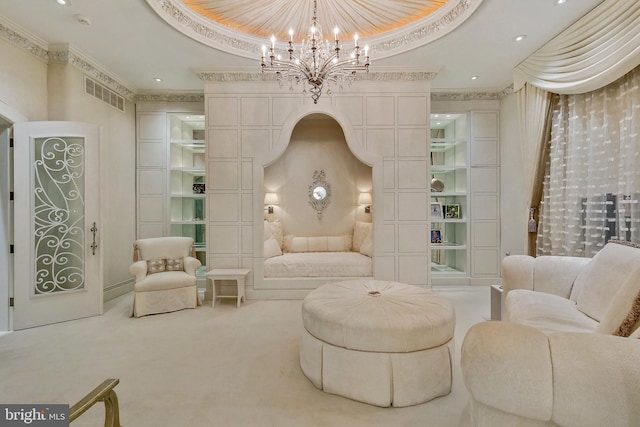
(24, 40)
(472, 96)
(65, 54)
(213, 34)
(62, 54)
(246, 74)
(169, 97)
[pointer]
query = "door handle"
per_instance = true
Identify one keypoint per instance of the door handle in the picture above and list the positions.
(94, 245)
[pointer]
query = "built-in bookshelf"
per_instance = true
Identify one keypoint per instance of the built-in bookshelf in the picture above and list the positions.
(449, 196)
(187, 171)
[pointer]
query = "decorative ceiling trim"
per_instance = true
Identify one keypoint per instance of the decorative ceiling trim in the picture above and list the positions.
(169, 97)
(29, 43)
(472, 96)
(62, 54)
(65, 54)
(248, 75)
(212, 34)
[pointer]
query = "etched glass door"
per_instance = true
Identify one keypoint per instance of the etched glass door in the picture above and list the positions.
(56, 197)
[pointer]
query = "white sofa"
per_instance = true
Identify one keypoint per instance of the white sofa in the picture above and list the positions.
(568, 353)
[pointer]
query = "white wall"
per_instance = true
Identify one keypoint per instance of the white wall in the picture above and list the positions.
(33, 90)
(315, 145)
(68, 102)
(23, 82)
(385, 123)
(513, 200)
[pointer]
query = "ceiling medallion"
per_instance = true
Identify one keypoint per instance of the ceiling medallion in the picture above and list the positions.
(316, 62)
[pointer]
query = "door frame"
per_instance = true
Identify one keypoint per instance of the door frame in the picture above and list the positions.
(11, 116)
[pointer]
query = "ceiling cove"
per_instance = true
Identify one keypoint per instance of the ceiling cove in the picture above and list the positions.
(242, 27)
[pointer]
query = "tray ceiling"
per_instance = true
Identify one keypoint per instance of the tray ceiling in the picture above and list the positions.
(241, 27)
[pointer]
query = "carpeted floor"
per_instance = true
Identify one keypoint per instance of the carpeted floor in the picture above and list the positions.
(218, 367)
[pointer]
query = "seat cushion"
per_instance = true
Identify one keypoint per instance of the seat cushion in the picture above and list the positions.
(165, 280)
(546, 312)
(378, 316)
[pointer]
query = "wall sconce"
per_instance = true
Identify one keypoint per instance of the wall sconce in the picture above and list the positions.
(270, 199)
(365, 199)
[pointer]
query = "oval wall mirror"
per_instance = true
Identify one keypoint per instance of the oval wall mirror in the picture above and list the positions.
(319, 193)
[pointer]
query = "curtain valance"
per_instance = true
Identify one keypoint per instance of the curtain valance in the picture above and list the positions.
(598, 49)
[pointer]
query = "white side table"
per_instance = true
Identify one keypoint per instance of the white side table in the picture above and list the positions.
(497, 297)
(215, 277)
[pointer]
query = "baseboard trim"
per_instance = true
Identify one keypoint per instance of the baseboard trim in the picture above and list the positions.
(114, 291)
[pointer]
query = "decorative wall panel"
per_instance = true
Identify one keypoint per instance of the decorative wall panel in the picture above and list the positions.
(412, 111)
(409, 238)
(255, 111)
(380, 110)
(151, 182)
(412, 174)
(389, 174)
(381, 141)
(222, 111)
(412, 207)
(224, 207)
(389, 206)
(152, 154)
(413, 142)
(224, 143)
(223, 176)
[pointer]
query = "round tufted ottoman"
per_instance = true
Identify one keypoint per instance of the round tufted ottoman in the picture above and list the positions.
(382, 343)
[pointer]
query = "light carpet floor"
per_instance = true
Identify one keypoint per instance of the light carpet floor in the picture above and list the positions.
(222, 366)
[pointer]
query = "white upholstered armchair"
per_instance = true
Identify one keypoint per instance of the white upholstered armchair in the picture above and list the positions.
(165, 271)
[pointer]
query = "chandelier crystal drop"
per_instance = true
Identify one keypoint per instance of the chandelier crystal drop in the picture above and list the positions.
(316, 62)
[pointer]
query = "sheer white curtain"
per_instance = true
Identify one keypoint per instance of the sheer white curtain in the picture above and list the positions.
(592, 182)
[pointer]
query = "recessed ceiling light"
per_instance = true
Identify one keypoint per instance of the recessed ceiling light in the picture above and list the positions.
(63, 2)
(519, 37)
(474, 77)
(157, 79)
(560, 1)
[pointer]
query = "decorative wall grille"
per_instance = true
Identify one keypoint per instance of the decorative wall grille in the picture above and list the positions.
(59, 214)
(103, 93)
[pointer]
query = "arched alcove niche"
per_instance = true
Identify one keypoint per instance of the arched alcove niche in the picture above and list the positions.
(313, 138)
(318, 143)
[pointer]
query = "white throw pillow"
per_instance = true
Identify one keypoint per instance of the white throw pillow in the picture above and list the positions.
(266, 235)
(271, 248)
(276, 231)
(367, 247)
(317, 243)
(339, 243)
(360, 232)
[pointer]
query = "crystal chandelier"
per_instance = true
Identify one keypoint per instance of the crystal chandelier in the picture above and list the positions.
(318, 61)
